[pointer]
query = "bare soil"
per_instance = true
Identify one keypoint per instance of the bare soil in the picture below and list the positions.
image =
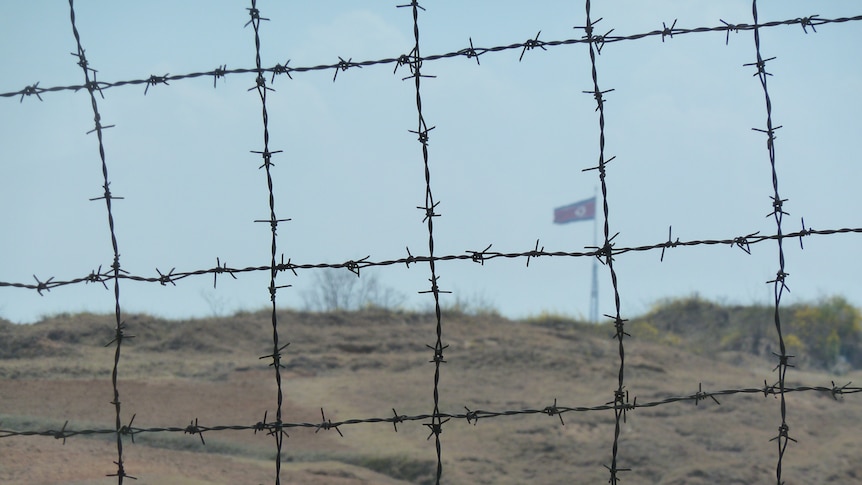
(364, 365)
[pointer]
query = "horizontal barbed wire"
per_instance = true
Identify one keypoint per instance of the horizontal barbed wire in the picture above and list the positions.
(171, 277)
(811, 21)
(470, 416)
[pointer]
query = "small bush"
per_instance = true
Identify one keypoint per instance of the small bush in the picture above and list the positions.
(342, 290)
(475, 305)
(794, 344)
(829, 330)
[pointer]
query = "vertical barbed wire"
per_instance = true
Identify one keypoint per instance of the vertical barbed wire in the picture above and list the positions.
(620, 400)
(414, 62)
(777, 213)
(277, 428)
(119, 333)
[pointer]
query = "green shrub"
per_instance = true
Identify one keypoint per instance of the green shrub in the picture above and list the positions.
(794, 344)
(828, 330)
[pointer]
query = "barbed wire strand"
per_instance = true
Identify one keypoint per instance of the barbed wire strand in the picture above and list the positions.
(119, 335)
(779, 285)
(742, 242)
(620, 400)
(414, 63)
(277, 430)
(470, 417)
(471, 52)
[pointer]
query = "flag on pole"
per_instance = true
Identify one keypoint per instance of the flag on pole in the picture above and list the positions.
(579, 211)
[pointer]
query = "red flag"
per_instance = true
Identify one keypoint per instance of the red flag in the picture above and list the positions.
(579, 211)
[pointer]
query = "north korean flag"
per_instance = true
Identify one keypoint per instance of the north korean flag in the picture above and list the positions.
(579, 211)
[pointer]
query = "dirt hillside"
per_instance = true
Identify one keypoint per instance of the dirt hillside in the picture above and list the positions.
(366, 364)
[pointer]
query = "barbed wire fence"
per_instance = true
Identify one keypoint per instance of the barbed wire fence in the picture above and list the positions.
(412, 65)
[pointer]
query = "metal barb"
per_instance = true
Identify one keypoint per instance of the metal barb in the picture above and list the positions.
(600, 103)
(553, 410)
(472, 417)
(535, 253)
(281, 69)
(343, 66)
(32, 90)
(164, 279)
(436, 426)
(153, 80)
(531, 44)
(254, 13)
(326, 424)
(730, 27)
(761, 66)
(219, 72)
(667, 32)
(479, 256)
(193, 428)
(808, 22)
(700, 395)
(397, 419)
(471, 53)
(669, 244)
(438, 354)
(127, 430)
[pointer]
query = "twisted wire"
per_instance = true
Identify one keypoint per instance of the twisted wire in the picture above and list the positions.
(604, 253)
(260, 86)
(470, 52)
(414, 62)
(779, 285)
(116, 269)
(744, 243)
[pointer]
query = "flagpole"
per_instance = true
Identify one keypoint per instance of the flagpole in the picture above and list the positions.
(583, 210)
(594, 289)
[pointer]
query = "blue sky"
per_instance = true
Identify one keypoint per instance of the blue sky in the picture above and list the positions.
(510, 143)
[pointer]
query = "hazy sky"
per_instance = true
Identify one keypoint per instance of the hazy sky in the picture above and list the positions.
(510, 143)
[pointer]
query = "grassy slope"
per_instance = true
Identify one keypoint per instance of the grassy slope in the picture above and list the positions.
(363, 364)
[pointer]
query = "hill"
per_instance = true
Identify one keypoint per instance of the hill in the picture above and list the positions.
(365, 364)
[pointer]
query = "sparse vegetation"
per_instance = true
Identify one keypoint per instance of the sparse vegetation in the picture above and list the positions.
(819, 335)
(474, 305)
(828, 331)
(342, 290)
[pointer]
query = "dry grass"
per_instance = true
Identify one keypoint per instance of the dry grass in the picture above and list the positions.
(363, 364)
